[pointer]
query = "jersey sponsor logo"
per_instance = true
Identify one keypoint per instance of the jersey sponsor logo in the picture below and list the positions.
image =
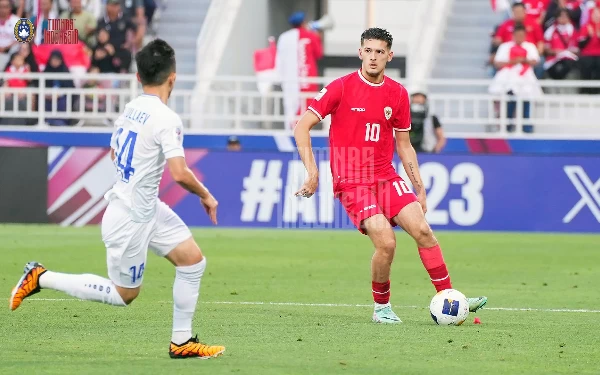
(388, 112)
(321, 93)
(357, 109)
(368, 208)
(588, 190)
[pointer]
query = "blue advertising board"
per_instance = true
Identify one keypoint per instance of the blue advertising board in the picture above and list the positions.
(498, 193)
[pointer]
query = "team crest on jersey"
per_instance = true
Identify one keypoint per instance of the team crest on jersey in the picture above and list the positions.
(24, 31)
(388, 112)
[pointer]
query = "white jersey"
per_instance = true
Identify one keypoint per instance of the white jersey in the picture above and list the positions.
(7, 31)
(146, 134)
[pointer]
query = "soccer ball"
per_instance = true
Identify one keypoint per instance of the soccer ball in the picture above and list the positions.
(449, 308)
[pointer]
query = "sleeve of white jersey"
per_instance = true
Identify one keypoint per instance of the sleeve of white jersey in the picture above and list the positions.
(502, 55)
(170, 138)
(532, 52)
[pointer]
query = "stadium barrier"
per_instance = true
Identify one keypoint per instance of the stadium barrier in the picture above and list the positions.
(234, 103)
(548, 192)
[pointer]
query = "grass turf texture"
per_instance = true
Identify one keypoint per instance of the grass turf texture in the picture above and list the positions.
(513, 270)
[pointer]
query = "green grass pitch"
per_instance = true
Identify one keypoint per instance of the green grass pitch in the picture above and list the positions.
(286, 278)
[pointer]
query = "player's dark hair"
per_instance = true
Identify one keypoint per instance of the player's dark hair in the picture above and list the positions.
(155, 62)
(519, 27)
(377, 34)
(518, 4)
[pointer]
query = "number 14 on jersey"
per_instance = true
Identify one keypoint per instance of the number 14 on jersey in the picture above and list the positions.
(125, 151)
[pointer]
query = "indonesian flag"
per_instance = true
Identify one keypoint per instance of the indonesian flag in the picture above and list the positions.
(500, 5)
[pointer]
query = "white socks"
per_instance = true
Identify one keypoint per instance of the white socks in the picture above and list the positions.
(86, 286)
(186, 290)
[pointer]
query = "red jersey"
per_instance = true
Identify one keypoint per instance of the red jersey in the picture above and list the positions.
(534, 31)
(591, 30)
(535, 8)
(364, 116)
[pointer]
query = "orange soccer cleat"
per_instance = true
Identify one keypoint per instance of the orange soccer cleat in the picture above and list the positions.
(27, 285)
(195, 349)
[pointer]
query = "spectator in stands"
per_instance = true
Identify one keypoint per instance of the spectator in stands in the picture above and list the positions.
(561, 49)
(233, 144)
(589, 44)
(534, 32)
(298, 51)
(104, 54)
(17, 65)
(535, 10)
(424, 124)
(30, 8)
(135, 12)
(94, 83)
(514, 61)
(85, 22)
(123, 34)
(40, 20)
(8, 43)
(56, 64)
(573, 7)
(94, 7)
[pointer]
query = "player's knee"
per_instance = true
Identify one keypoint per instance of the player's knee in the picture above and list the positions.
(387, 247)
(185, 254)
(423, 234)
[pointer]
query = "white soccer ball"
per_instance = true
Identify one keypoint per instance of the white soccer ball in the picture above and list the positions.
(449, 308)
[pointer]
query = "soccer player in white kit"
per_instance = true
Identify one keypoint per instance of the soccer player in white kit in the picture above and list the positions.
(147, 136)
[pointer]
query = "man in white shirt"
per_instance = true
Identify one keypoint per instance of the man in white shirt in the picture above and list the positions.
(515, 76)
(147, 136)
(8, 43)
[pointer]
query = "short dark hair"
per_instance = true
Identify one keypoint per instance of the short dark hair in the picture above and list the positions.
(377, 34)
(519, 27)
(518, 4)
(155, 62)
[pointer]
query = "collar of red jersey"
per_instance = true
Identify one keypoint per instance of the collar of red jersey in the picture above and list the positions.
(370, 83)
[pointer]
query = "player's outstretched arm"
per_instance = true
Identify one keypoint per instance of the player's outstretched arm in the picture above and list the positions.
(302, 136)
(186, 178)
(407, 154)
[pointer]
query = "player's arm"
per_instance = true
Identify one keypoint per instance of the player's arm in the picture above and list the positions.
(408, 156)
(171, 140)
(325, 102)
(183, 175)
(406, 151)
(303, 143)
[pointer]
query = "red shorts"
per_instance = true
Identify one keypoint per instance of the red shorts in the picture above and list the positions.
(387, 195)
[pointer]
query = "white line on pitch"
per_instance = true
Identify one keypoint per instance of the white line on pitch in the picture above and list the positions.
(341, 305)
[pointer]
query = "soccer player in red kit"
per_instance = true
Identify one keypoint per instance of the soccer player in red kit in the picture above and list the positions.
(370, 115)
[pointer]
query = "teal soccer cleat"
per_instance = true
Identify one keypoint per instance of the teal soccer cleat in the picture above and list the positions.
(476, 303)
(384, 314)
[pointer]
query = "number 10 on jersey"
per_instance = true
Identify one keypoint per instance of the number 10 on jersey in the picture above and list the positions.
(372, 132)
(125, 151)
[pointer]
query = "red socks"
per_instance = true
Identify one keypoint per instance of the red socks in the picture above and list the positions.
(436, 267)
(381, 292)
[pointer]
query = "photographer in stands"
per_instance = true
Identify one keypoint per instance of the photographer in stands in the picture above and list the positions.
(424, 124)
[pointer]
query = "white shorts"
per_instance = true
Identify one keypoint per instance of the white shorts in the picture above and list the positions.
(127, 242)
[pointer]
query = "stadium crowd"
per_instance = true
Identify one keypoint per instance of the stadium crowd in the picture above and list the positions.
(110, 32)
(566, 34)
